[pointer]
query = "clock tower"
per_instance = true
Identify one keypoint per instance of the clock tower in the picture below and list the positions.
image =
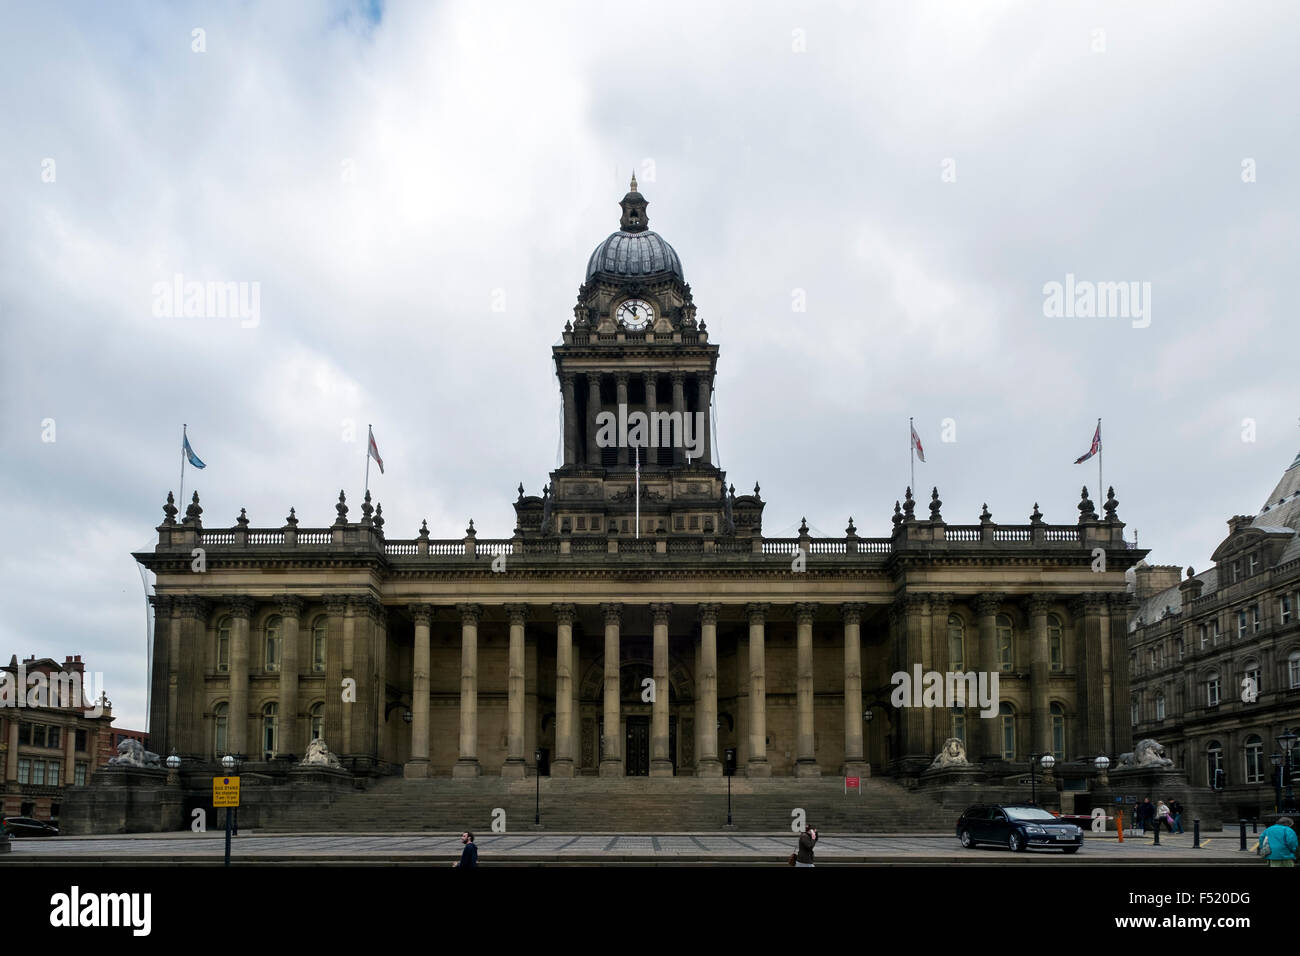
(637, 372)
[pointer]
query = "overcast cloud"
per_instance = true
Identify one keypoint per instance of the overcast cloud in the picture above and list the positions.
(394, 175)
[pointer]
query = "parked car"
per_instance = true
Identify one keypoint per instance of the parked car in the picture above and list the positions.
(27, 827)
(1017, 826)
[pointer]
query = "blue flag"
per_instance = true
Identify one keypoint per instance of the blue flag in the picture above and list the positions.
(189, 453)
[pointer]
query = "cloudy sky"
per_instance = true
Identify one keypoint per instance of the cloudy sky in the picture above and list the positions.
(868, 199)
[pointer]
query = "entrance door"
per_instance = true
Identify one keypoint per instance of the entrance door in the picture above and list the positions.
(637, 755)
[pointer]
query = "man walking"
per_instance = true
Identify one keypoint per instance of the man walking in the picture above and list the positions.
(1176, 809)
(807, 840)
(1281, 842)
(469, 855)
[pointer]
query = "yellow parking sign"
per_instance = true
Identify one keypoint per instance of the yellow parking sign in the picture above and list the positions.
(225, 792)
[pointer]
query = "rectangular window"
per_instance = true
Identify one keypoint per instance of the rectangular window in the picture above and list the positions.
(959, 728)
(1254, 618)
(1293, 670)
(1212, 692)
(24, 770)
(1214, 632)
(1205, 637)
(79, 775)
(81, 741)
(38, 773)
(53, 772)
(24, 732)
(1160, 707)
(1242, 624)
(1254, 563)
(52, 737)
(1284, 609)
(1253, 674)
(1236, 571)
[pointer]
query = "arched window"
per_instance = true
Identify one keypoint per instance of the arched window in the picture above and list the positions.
(1212, 689)
(317, 713)
(273, 632)
(957, 646)
(318, 646)
(1005, 645)
(1058, 731)
(1008, 718)
(1293, 668)
(221, 719)
(270, 730)
(223, 644)
(1213, 763)
(1055, 643)
(1254, 759)
(1160, 706)
(1250, 671)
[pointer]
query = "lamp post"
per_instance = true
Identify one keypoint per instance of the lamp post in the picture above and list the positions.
(1276, 760)
(173, 765)
(1286, 740)
(1102, 764)
(537, 806)
(1048, 762)
(228, 765)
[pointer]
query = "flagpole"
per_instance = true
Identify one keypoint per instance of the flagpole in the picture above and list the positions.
(1101, 445)
(637, 449)
(369, 438)
(911, 452)
(183, 439)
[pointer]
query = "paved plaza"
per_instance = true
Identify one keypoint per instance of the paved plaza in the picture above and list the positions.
(540, 847)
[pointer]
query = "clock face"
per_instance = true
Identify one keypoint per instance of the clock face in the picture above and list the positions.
(635, 315)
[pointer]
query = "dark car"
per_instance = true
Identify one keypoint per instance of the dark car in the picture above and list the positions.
(27, 827)
(1018, 826)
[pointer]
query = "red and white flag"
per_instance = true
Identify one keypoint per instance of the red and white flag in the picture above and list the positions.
(916, 443)
(1096, 445)
(374, 452)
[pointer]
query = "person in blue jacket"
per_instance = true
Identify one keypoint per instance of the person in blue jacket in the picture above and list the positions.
(1281, 842)
(469, 855)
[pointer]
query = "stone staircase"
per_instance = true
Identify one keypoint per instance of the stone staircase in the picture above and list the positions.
(618, 805)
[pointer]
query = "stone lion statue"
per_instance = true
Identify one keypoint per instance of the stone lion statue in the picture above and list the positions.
(318, 755)
(1148, 754)
(131, 753)
(953, 754)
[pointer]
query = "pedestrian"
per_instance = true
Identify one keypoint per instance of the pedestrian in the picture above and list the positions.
(1176, 808)
(804, 857)
(469, 855)
(1163, 813)
(1277, 844)
(1146, 813)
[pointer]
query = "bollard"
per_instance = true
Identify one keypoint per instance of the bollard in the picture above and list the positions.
(1156, 841)
(1119, 825)
(1254, 825)
(1243, 834)
(1196, 834)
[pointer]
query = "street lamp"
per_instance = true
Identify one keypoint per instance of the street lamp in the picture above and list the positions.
(230, 765)
(1048, 762)
(537, 806)
(1102, 764)
(1286, 740)
(173, 764)
(1276, 760)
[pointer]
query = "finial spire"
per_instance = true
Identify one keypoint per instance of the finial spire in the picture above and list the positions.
(633, 189)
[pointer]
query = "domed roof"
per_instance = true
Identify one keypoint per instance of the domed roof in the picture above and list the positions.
(634, 250)
(634, 254)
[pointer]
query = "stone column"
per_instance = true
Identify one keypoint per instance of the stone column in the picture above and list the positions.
(611, 764)
(709, 764)
(940, 726)
(70, 756)
(380, 665)
(174, 667)
(290, 607)
(160, 732)
(515, 765)
(1088, 631)
(855, 763)
(679, 409)
(1119, 680)
(355, 604)
(575, 719)
(1040, 723)
(568, 380)
(336, 606)
(916, 729)
(418, 764)
(986, 607)
(562, 765)
(650, 456)
(620, 384)
(703, 381)
(593, 409)
(758, 765)
(188, 657)
(467, 765)
(805, 746)
(241, 609)
(661, 764)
